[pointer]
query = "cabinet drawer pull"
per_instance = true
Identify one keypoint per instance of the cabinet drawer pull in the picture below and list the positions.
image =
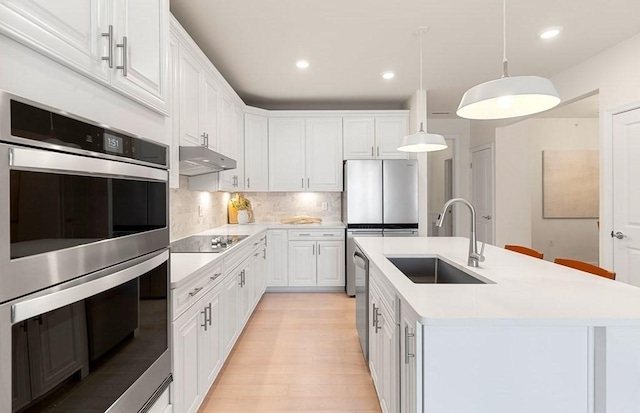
(215, 276)
(302, 183)
(378, 149)
(378, 321)
(407, 336)
(248, 183)
(109, 56)
(195, 291)
(373, 314)
(123, 46)
(256, 254)
(372, 151)
(304, 235)
(328, 235)
(204, 324)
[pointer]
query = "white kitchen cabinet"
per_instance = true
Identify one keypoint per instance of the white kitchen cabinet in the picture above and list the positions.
(231, 289)
(232, 145)
(383, 348)
(256, 153)
(302, 263)
(286, 154)
(198, 100)
(374, 137)
(277, 262)
(410, 360)
(316, 258)
(174, 84)
(305, 154)
(79, 34)
(197, 350)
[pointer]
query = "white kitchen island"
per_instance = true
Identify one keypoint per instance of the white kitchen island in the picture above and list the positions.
(537, 337)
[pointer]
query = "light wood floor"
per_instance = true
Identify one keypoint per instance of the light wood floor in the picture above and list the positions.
(298, 353)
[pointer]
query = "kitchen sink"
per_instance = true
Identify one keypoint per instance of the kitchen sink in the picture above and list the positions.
(430, 270)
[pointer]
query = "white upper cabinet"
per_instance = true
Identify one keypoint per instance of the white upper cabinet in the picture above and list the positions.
(374, 137)
(305, 154)
(286, 154)
(174, 77)
(209, 111)
(324, 154)
(141, 30)
(232, 145)
(256, 153)
(99, 39)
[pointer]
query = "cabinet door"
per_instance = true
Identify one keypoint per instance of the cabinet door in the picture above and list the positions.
(302, 263)
(57, 347)
(256, 153)
(286, 155)
(408, 362)
(389, 131)
(232, 145)
(209, 111)
(68, 31)
(331, 263)
(246, 293)
(261, 275)
(190, 101)
(374, 342)
(145, 26)
(230, 311)
(358, 137)
(210, 357)
(174, 84)
(324, 154)
(388, 357)
(186, 353)
(277, 258)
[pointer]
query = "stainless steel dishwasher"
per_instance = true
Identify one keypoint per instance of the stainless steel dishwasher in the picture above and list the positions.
(362, 299)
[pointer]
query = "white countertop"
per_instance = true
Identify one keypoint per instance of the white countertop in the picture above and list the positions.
(526, 290)
(185, 264)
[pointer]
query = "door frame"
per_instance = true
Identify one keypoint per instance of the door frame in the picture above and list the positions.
(479, 148)
(606, 181)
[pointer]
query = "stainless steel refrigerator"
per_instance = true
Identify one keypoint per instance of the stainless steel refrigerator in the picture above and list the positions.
(380, 198)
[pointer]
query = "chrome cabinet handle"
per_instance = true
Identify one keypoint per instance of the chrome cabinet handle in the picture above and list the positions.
(302, 183)
(374, 315)
(215, 276)
(256, 254)
(372, 151)
(618, 235)
(307, 183)
(486, 217)
(314, 249)
(209, 307)
(244, 282)
(195, 291)
(109, 36)
(240, 275)
(328, 235)
(205, 139)
(378, 151)
(378, 321)
(318, 249)
(407, 336)
(204, 324)
(248, 183)
(264, 254)
(123, 45)
(304, 235)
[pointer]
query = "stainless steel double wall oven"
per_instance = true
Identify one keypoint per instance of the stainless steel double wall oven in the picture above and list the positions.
(84, 264)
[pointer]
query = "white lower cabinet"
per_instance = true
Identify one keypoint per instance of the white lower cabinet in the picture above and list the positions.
(197, 356)
(316, 258)
(277, 264)
(211, 312)
(383, 350)
(410, 360)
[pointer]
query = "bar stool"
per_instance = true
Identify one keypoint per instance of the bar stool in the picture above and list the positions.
(524, 250)
(586, 267)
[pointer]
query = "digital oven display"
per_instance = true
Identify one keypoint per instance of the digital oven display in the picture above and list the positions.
(112, 143)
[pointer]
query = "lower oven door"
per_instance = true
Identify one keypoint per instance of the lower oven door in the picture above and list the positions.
(96, 344)
(64, 215)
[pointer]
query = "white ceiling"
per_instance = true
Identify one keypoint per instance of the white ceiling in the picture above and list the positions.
(349, 43)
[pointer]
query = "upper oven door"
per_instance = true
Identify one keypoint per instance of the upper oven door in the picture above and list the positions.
(63, 216)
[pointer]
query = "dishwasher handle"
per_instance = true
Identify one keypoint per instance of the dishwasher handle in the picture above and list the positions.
(358, 256)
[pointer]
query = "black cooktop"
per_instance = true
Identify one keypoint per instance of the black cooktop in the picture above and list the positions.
(206, 243)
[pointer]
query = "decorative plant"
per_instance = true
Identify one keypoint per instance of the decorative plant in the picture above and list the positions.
(240, 203)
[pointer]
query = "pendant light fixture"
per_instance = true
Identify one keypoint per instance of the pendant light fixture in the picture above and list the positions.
(422, 141)
(508, 97)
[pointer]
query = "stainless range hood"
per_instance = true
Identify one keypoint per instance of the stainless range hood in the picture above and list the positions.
(199, 160)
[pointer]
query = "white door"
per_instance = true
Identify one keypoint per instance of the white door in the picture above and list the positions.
(286, 155)
(68, 31)
(210, 357)
(626, 197)
(190, 104)
(187, 348)
(359, 138)
(230, 298)
(482, 191)
(389, 131)
(256, 153)
(324, 154)
(209, 111)
(228, 179)
(330, 263)
(302, 263)
(277, 261)
(144, 24)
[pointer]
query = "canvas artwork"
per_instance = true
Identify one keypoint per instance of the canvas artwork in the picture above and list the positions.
(570, 184)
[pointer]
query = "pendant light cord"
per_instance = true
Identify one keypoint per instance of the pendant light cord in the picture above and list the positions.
(505, 63)
(422, 94)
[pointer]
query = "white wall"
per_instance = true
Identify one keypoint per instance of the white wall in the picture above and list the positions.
(519, 183)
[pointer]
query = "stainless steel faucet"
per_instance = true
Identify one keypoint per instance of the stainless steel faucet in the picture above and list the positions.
(475, 257)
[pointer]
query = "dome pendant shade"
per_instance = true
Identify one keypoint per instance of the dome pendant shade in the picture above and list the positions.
(422, 142)
(508, 97)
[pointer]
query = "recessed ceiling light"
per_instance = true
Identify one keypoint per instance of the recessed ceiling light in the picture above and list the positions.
(302, 64)
(388, 75)
(550, 32)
